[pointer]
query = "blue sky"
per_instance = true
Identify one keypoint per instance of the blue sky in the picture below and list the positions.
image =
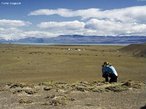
(50, 18)
(21, 11)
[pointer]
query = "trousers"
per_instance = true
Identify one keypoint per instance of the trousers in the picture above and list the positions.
(110, 77)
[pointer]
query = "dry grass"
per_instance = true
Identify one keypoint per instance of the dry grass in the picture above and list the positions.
(83, 94)
(23, 63)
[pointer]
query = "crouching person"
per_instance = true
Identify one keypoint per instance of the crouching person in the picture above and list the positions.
(109, 73)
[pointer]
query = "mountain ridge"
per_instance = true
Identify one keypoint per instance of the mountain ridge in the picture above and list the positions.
(81, 39)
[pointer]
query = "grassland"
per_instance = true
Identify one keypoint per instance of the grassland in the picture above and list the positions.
(69, 77)
(27, 63)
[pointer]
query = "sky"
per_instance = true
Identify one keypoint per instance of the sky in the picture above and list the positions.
(51, 18)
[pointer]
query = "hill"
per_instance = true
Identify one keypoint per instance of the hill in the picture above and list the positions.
(135, 49)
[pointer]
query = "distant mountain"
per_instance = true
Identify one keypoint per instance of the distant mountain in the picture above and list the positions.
(30, 40)
(79, 39)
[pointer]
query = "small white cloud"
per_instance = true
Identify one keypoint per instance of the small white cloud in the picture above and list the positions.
(62, 12)
(68, 25)
(13, 23)
(39, 34)
(84, 13)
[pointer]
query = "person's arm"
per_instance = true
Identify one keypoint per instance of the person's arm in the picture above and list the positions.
(103, 71)
(114, 70)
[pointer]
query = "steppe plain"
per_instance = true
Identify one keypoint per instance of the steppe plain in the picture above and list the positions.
(69, 77)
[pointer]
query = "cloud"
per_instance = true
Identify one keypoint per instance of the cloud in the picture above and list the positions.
(92, 21)
(13, 23)
(71, 25)
(45, 30)
(107, 27)
(102, 27)
(61, 12)
(84, 13)
(10, 33)
(130, 14)
(95, 21)
(39, 34)
(15, 34)
(63, 28)
(90, 27)
(124, 14)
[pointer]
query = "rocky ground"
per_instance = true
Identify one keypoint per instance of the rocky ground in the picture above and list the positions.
(80, 95)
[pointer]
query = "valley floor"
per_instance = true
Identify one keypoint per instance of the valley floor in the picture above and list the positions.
(36, 63)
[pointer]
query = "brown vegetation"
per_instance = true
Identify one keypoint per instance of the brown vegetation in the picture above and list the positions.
(61, 95)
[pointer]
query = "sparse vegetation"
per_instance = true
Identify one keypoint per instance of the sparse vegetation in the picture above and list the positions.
(56, 95)
(25, 101)
(67, 76)
(133, 84)
(58, 100)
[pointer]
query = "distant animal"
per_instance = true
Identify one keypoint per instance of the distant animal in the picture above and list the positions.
(79, 49)
(69, 49)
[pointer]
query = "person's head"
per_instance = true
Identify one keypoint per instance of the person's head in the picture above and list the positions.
(106, 63)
